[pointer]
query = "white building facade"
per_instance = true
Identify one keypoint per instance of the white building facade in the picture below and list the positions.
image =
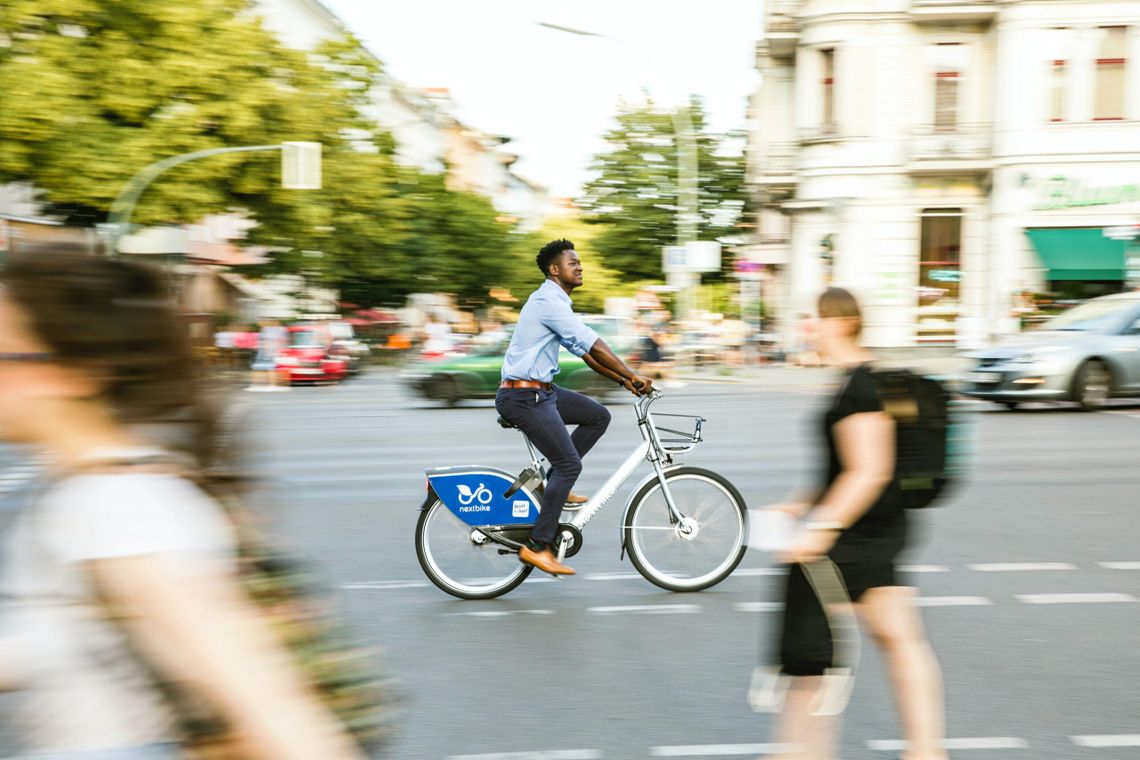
(939, 157)
(427, 134)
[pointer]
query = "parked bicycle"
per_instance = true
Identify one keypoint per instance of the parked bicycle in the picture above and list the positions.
(684, 528)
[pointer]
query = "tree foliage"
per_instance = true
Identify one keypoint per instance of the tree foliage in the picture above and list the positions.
(633, 196)
(95, 90)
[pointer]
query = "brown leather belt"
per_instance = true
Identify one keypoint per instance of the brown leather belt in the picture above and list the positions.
(524, 384)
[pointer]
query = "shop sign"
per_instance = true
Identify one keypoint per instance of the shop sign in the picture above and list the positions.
(1067, 192)
(945, 275)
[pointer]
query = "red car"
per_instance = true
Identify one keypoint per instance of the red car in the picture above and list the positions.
(309, 358)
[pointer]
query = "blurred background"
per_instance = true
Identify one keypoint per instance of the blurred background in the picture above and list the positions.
(376, 178)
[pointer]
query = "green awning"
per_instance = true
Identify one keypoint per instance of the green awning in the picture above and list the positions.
(1078, 253)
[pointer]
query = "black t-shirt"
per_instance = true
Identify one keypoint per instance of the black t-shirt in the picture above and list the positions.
(857, 395)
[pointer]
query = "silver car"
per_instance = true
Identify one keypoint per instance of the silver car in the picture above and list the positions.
(1086, 355)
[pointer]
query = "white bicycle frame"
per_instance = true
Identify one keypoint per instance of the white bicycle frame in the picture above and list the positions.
(650, 449)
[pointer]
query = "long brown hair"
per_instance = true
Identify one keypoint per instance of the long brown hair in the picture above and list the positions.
(840, 302)
(116, 319)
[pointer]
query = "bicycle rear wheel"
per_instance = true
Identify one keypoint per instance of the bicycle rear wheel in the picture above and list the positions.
(699, 551)
(462, 561)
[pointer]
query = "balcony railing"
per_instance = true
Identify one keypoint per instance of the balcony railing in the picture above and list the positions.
(781, 16)
(781, 27)
(953, 10)
(954, 147)
(822, 133)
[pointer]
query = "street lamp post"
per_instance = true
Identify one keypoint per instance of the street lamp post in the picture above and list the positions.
(688, 177)
(305, 176)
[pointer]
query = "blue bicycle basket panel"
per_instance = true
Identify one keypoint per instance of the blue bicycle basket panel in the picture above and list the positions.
(475, 496)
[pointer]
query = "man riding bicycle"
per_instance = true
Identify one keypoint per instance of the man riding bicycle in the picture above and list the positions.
(541, 410)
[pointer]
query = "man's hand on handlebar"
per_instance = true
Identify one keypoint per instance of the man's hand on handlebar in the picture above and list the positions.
(639, 385)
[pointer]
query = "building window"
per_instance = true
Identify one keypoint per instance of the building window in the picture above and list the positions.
(1057, 91)
(948, 60)
(828, 121)
(939, 274)
(1058, 71)
(1110, 74)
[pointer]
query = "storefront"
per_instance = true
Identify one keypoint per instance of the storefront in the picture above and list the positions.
(1081, 262)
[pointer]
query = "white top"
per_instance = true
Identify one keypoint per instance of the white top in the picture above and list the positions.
(82, 688)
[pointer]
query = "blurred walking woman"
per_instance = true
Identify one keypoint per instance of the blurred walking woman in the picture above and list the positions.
(118, 572)
(859, 523)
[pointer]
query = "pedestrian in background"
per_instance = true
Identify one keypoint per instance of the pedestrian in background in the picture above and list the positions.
(119, 577)
(858, 523)
(271, 341)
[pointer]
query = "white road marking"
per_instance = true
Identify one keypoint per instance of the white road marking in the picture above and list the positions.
(952, 601)
(717, 750)
(924, 568)
(759, 606)
(611, 576)
(497, 613)
(746, 572)
(1120, 565)
(542, 754)
(1087, 598)
(384, 585)
(650, 609)
(977, 742)
(1107, 740)
(1021, 567)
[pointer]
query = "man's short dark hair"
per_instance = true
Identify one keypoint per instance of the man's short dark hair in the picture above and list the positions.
(550, 252)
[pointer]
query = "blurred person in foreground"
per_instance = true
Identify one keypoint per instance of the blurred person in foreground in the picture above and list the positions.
(529, 400)
(858, 522)
(119, 577)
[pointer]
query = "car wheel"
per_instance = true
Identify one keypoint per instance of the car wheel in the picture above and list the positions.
(1092, 385)
(448, 391)
(1011, 405)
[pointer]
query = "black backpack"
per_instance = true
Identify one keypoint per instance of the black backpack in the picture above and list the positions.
(928, 434)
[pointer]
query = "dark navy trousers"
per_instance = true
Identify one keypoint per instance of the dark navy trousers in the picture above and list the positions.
(543, 417)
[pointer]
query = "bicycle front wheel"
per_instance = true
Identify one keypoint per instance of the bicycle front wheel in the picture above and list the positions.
(462, 561)
(704, 547)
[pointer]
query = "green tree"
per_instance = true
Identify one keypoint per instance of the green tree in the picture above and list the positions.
(600, 281)
(633, 197)
(95, 90)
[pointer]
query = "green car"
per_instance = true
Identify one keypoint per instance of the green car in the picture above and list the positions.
(477, 374)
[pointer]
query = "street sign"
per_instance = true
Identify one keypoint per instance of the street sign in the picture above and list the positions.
(674, 258)
(301, 165)
(703, 256)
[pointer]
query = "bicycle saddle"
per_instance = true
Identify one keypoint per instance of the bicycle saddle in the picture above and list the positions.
(505, 423)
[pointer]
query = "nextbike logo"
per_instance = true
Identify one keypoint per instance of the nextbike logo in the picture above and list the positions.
(482, 495)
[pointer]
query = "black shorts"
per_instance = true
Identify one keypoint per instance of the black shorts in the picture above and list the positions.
(804, 640)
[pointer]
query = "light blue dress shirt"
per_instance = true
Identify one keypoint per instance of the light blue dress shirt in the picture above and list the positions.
(545, 322)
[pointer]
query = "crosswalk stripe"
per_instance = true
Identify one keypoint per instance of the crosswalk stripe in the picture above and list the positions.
(717, 750)
(1021, 567)
(977, 742)
(952, 601)
(758, 606)
(544, 754)
(1083, 598)
(649, 609)
(1107, 740)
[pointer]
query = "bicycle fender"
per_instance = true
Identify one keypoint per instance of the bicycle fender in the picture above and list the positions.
(476, 495)
(629, 503)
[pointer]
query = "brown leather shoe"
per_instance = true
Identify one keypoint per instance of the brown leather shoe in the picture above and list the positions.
(544, 561)
(574, 500)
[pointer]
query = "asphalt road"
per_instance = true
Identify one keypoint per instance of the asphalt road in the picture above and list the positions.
(1030, 574)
